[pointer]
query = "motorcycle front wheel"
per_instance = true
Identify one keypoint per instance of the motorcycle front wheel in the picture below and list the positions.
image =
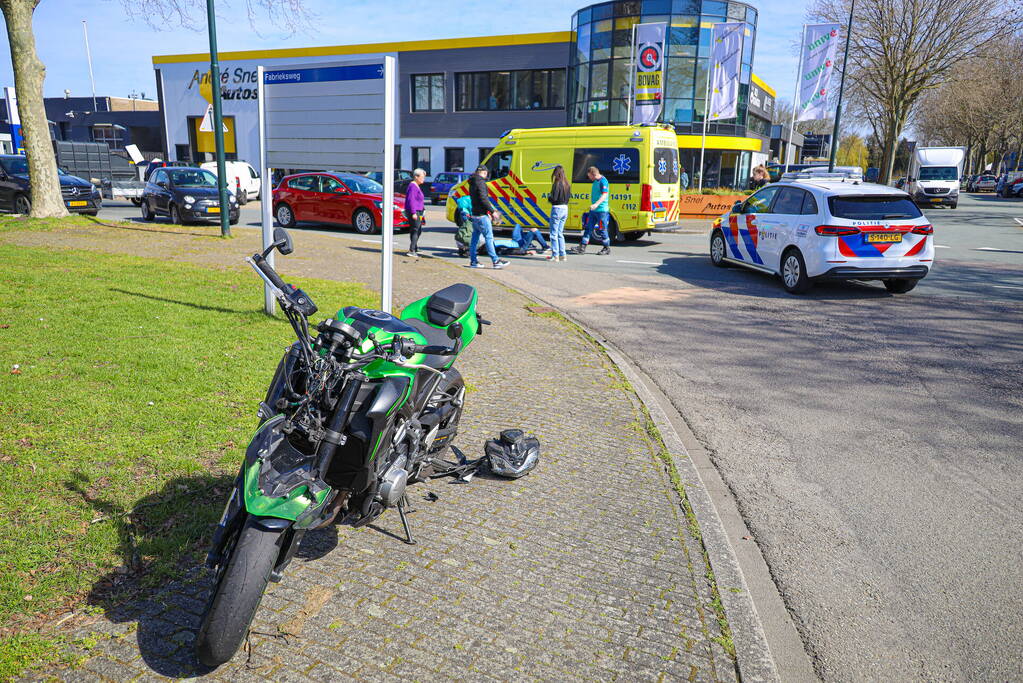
(237, 595)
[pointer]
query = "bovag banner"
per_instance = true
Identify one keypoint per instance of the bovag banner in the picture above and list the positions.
(819, 49)
(648, 78)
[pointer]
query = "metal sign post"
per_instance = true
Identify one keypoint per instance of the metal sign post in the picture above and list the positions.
(330, 115)
(265, 193)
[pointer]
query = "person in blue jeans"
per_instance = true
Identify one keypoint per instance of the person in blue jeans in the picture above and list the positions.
(558, 197)
(525, 237)
(599, 216)
(483, 212)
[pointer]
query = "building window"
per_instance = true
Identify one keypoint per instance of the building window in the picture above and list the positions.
(397, 156)
(428, 92)
(510, 90)
(421, 158)
(454, 158)
(111, 134)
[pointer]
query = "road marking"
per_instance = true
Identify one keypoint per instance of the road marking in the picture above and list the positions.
(989, 249)
(1018, 220)
(371, 241)
(642, 263)
(1008, 286)
(942, 246)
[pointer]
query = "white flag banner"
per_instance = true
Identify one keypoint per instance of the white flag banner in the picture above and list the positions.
(725, 58)
(815, 71)
(648, 76)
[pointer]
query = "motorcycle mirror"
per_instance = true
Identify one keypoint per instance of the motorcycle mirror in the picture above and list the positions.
(454, 330)
(282, 240)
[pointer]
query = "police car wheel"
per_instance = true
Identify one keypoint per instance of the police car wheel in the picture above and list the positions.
(899, 285)
(717, 250)
(793, 272)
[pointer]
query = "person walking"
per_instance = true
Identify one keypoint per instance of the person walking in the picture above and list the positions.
(560, 191)
(598, 218)
(483, 212)
(415, 206)
(683, 178)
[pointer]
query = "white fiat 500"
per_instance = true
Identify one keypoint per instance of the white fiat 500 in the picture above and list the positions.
(807, 229)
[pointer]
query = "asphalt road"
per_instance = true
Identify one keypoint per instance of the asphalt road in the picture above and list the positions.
(872, 442)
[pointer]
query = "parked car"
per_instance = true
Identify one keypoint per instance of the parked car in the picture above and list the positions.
(186, 194)
(401, 180)
(442, 184)
(982, 183)
(336, 198)
(242, 178)
(80, 196)
(1013, 187)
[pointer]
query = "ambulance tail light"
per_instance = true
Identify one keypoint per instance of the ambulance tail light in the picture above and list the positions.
(835, 230)
(646, 201)
(923, 230)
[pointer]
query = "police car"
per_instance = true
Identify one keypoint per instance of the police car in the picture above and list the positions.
(812, 227)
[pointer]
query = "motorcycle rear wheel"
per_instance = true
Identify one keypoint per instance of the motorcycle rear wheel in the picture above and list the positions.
(237, 594)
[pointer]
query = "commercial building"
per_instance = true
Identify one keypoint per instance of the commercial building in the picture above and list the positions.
(456, 97)
(117, 121)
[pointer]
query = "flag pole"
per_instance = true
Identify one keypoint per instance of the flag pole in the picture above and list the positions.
(841, 89)
(706, 109)
(632, 80)
(795, 100)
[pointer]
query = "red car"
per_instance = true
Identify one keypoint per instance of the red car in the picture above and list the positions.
(335, 198)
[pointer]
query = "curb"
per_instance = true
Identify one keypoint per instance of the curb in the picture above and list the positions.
(755, 658)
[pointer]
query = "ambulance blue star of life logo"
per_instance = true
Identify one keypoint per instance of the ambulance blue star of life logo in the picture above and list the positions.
(621, 164)
(674, 164)
(662, 166)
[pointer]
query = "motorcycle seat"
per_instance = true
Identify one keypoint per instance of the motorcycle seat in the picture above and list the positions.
(449, 304)
(434, 337)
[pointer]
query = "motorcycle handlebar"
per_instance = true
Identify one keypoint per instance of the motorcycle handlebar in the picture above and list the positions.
(270, 273)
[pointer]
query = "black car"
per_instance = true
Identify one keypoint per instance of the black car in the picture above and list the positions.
(186, 194)
(80, 196)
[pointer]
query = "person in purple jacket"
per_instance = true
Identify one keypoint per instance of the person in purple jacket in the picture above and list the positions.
(414, 207)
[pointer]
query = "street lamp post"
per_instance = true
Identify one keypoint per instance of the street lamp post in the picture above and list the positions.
(218, 123)
(841, 89)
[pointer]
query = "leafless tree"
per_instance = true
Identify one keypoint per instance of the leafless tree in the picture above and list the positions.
(900, 49)
(979, 106)
(29, 72)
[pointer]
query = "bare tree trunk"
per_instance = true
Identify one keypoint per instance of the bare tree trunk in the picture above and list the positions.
(889, 146)
(28, 82)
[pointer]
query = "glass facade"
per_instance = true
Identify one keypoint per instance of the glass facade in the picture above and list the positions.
(599, 70)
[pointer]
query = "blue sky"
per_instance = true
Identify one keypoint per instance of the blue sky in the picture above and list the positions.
(122, 47)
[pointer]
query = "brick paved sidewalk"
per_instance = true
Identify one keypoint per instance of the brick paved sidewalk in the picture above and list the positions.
(583, 570)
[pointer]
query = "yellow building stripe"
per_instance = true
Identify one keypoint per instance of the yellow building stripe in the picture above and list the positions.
(720, 142)
(405, 46)
(768, 89)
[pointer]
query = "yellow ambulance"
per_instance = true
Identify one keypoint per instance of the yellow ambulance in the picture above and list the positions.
(640, 163)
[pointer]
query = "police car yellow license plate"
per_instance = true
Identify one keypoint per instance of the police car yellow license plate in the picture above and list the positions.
(936, 199)
(659, 216)
(884, 236)
(78, 203)
(212, 209)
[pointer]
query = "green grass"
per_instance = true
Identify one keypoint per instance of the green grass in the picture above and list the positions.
(123, 425)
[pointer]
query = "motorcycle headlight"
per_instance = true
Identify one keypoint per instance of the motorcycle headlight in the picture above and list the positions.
(189, 199)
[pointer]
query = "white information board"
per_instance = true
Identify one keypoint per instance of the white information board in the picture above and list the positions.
(335, 116)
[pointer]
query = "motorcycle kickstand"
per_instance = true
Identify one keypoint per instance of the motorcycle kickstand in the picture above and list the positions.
(402, 504)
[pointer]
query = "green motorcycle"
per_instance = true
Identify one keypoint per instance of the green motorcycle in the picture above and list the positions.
(351, 418)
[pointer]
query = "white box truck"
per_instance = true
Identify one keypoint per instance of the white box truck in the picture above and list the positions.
(934, 175)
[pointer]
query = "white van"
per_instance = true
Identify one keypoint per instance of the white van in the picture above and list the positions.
(242, 179)
(934, 175)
